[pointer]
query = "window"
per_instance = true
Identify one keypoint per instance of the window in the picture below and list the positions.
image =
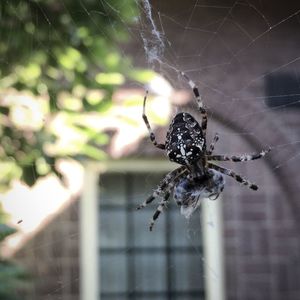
(136, 263)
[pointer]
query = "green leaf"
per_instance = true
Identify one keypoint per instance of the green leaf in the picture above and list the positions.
(142, 75)
(30, 174)
(110, 78)
(5, 231)
(92, 152)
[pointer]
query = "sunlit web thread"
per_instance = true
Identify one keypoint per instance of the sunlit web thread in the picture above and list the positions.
(287, 161)
(257, 11)
(264, 33)
(266, 110)
(267, 97)
(197, 250)
(219, 27)
(268, 73)
(154, 44)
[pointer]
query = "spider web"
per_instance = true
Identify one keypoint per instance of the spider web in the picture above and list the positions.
(214, 42)
(235, 51)
(242, 56)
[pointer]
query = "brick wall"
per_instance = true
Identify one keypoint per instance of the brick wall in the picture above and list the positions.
(51, 257)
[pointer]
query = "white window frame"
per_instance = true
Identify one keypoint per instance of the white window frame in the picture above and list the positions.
(211, 220)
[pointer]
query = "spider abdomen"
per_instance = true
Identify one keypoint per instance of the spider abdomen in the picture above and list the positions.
(188, 193)
(185, 140)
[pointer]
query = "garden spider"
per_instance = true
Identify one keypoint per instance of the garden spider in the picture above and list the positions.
(197, 177)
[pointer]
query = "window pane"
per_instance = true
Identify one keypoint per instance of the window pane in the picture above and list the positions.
(112, 189)
(151, 297)
(150, 272)
(144, 185)
(113, 274)
(185, 232)
(113, 297)
(112, 228)
(143, 237)
(188, 272)
(133, 259)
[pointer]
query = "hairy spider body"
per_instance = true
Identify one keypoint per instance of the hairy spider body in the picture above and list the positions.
(197, 178)
(210, 185)
(188, 193)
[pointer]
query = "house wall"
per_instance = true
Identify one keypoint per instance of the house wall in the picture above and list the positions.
(51, 258)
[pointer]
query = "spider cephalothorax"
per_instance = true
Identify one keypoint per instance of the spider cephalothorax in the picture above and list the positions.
(197, 177)
(185, 143)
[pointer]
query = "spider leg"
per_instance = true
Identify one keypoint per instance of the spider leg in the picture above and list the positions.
(164, 189)
(171, 178)
(151, 133)
(165, 200)
(159, 209)
(238, 158)
(199, 103)
(164, 185)
(149, 199)
(212, 145)
(237, 177)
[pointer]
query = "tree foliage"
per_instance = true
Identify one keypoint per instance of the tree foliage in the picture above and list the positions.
(59, 66)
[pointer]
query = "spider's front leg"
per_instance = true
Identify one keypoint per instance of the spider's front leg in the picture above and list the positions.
(199, 103)
(151, 133)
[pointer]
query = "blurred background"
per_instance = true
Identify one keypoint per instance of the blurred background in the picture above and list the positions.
(76, 158)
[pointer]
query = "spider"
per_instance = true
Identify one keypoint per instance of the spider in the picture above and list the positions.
(197, 177)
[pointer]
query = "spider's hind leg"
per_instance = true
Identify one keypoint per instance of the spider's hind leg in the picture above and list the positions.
(232, 174)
